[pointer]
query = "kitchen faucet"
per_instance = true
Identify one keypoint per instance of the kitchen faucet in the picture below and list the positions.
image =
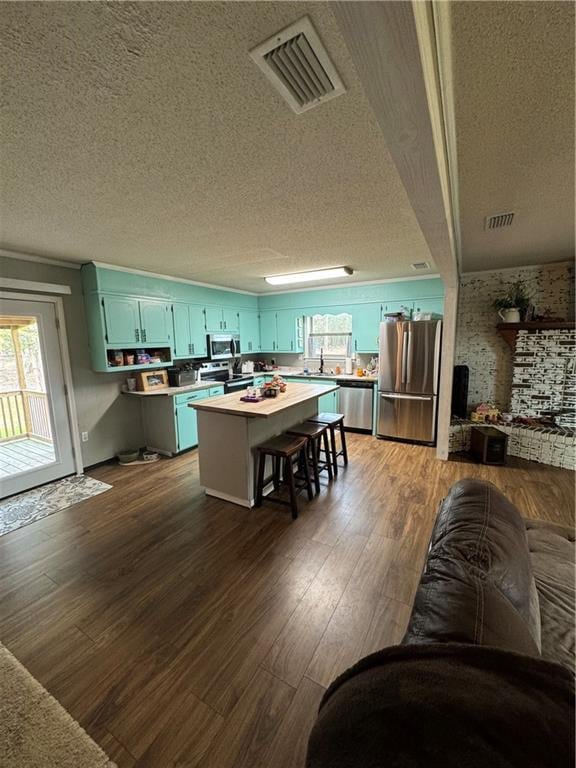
(321, 360)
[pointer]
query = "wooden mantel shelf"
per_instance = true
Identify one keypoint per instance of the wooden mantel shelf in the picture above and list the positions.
(510, 330)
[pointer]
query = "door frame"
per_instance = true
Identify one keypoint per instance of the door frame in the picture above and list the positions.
(58, 304)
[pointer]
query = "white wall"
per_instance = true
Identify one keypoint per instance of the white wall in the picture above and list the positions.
(112, 421)
(478, 343)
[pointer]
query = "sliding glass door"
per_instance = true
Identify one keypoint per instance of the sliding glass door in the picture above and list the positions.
(35, 435)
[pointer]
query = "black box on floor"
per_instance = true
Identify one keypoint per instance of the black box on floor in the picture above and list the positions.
(488, 445)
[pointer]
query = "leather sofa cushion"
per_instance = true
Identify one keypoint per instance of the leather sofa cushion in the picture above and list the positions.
(478, 585)
(552, 552)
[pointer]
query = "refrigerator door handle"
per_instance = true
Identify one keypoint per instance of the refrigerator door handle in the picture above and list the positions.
(396, 396)
(409, 359)
(404, 355)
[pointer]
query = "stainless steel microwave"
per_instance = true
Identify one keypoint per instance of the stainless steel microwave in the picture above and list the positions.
(223, 346)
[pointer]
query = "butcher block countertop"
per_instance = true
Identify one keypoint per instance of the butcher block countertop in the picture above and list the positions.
(294, 395)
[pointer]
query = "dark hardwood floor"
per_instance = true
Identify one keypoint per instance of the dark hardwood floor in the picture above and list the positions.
(183, 631)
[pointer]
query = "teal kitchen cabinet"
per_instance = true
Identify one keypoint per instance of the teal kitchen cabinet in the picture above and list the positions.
(189, 331)
(170, 424)
(268, 333)
(231, 320)
(282, 331)
(121, 320)
(289, 331)
(136, 322)
(389, 307)
(429, 305)
(197, 331)
(249, 331)
(327, 403)
(155, 322)
(213, 318)
(187, 427)
(181, 320)
(222, 319)
(365, 327)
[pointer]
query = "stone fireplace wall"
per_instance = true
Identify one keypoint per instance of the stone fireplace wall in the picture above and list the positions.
(478, 343)
(544, 378)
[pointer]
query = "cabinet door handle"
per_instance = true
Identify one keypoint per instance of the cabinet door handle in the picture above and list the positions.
(137, 334)
(193, 350)
(355, 345)
(143, 334)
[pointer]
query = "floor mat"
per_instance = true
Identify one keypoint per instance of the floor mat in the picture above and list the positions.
(33, 505)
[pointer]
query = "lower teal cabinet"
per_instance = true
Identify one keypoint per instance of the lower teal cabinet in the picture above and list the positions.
(187, 427)
(170, 424)
(327, 403)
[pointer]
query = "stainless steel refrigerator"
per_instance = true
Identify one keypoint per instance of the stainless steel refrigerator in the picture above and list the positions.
(408, 379)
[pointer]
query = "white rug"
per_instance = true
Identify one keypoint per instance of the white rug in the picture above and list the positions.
(28, 507)
(35, 730)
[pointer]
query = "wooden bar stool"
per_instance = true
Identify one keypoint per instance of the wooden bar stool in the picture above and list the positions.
(334, 421)
(315, 435)
(283, 449)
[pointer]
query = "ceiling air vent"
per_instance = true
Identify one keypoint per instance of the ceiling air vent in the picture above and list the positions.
(498, 221)
(419, 265)
(298, 66)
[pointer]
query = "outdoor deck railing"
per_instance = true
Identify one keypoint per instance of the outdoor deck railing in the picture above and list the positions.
(24, 413)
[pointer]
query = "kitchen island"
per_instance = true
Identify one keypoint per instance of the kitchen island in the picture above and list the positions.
(229, 431)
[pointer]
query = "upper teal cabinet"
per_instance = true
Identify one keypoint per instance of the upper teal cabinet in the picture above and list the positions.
(121, 320)
(222, 319)
(231, 320)
(268, 333)
(365, 327)
(189, 331)
(197, 331)
(135, 322)
(282, 331)
(249, 331)
(429, 305)
(155, 322)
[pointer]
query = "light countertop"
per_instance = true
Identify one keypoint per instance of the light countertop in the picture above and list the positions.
(269, 406)
(287, 374)
(172, 391)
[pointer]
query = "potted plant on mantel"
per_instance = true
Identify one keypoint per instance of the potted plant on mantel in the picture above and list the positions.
(512, 307)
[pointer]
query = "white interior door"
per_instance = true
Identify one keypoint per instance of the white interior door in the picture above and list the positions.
(35, 434)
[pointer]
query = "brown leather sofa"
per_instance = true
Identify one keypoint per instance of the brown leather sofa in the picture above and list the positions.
(484, 674)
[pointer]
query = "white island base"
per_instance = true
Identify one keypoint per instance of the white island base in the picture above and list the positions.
(229, 431)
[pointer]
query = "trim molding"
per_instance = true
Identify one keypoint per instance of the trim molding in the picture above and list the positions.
(29, 285)
(104, 265)
(40, 259)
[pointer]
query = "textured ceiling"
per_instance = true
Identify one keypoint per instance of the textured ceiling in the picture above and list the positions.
(141, 134)
(513, 65)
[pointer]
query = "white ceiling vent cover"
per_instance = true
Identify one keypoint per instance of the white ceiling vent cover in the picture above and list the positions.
(420, 265)
(298, 66)
(498, 220)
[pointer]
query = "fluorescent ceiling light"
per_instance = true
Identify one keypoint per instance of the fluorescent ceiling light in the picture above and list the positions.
(307, 277)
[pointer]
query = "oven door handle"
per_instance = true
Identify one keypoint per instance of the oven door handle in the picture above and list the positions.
(232, 347)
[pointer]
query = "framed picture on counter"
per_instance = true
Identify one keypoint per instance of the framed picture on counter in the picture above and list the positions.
(147, 380)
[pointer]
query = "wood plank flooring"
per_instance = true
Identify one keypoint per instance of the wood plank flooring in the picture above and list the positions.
(181, 630)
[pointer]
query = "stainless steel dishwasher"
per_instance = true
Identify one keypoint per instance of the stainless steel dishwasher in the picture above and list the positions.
(356, 403)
